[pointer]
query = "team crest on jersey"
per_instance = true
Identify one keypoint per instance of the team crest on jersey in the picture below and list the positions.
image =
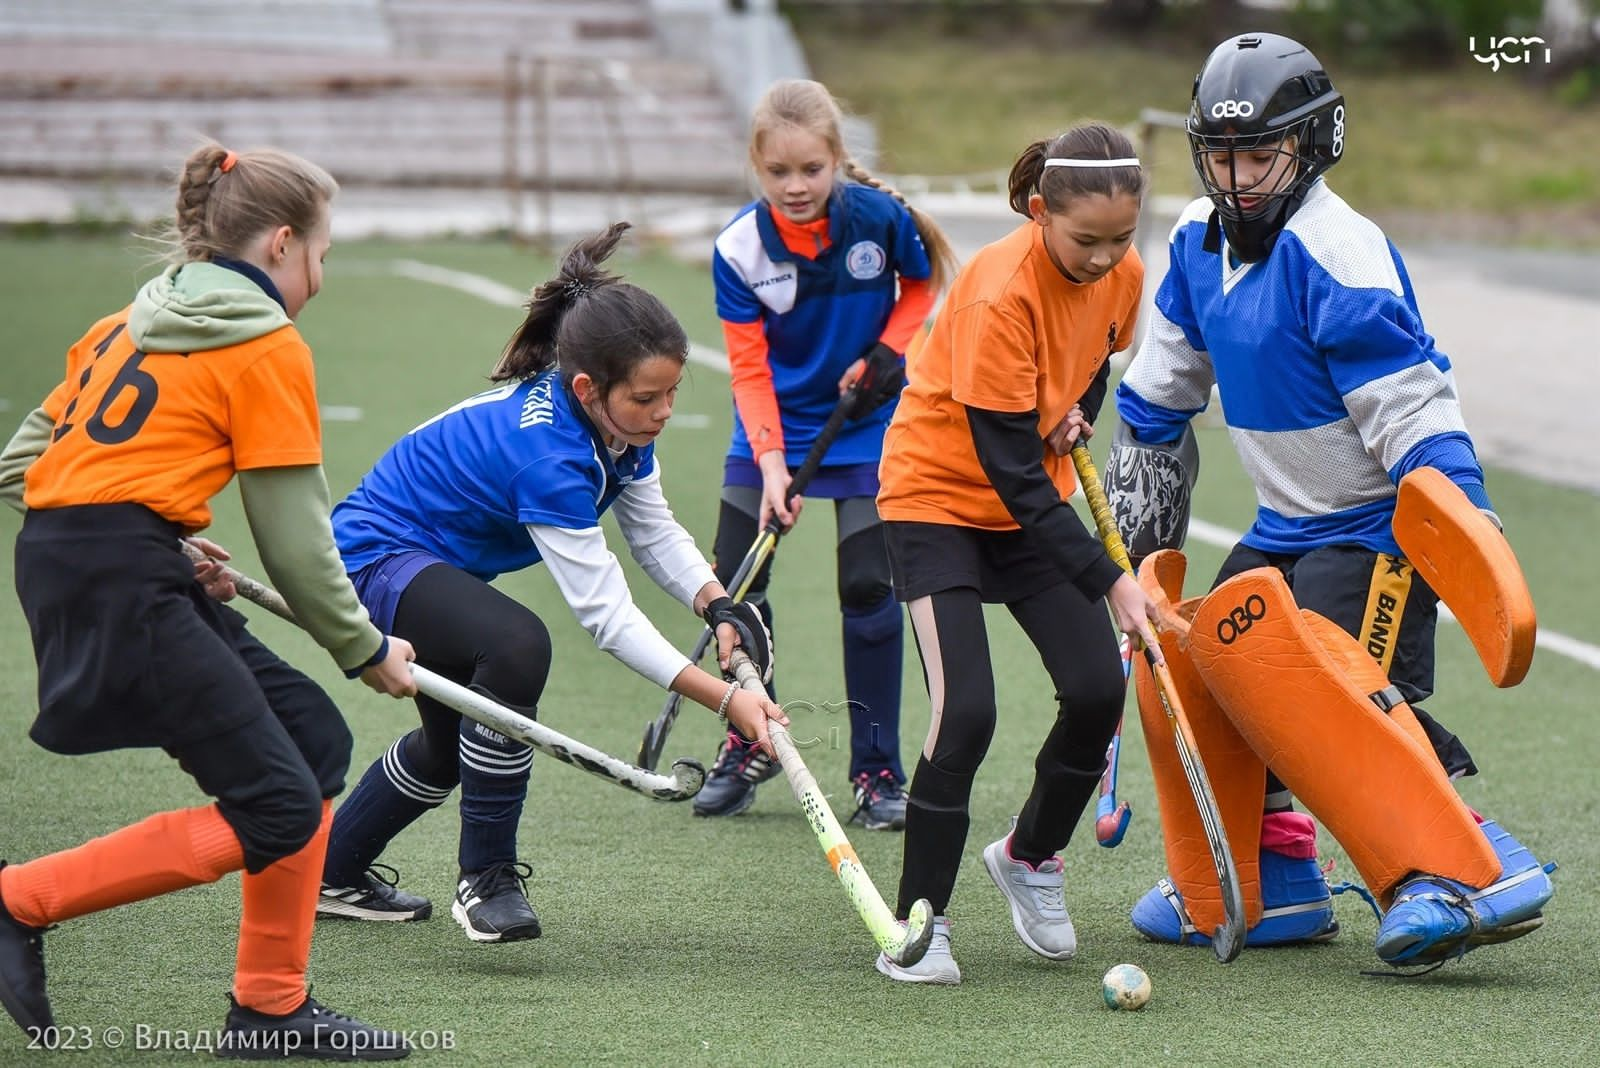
(866, 259)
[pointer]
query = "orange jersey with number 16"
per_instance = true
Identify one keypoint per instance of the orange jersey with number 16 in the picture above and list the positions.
(169, 429)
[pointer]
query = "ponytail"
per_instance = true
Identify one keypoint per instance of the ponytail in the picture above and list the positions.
(1031, 174)
(941, 255)
(588, 320)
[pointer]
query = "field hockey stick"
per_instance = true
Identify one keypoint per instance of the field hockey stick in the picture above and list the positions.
(903, 943)
(1111, 819)
(656, 731)
(687, 775)
(1228, 939)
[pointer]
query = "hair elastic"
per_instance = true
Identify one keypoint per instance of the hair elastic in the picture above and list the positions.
(1131, 161)
(575, 289)
(228, 161)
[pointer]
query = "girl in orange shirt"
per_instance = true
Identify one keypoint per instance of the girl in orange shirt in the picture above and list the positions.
(975, 480)
(203, 376)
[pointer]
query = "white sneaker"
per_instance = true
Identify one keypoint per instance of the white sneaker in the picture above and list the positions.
(936, 965)
(1036, 896)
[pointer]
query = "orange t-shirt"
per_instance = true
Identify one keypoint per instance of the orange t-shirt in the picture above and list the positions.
(168, 430)
(1014, 335)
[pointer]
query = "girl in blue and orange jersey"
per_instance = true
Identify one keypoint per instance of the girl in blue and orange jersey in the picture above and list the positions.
(821, 283)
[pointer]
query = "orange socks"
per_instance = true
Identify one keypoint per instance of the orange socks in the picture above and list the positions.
(280, 906)
(168, 851)
(173, 850)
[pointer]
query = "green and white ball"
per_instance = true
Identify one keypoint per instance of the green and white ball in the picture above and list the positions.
(1126, 987)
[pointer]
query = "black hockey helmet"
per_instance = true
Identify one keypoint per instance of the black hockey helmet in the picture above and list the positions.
(1263, 92)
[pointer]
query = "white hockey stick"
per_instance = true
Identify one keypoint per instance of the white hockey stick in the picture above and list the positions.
(687, 775)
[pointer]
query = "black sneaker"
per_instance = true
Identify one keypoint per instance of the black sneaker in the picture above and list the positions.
(22, 973)
(373, 897)
(731, 787)
(312, 1030)
(492, 905)
(880, 801)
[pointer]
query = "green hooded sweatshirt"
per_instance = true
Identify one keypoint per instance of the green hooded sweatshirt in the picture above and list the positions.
(198, 307)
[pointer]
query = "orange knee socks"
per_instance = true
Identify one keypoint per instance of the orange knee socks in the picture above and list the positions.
(168, 851)
(280, 906)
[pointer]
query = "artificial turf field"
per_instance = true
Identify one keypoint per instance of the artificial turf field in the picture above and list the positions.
(673, 940)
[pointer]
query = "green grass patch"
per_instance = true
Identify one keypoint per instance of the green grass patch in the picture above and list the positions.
(671, 940)
(1559, 187)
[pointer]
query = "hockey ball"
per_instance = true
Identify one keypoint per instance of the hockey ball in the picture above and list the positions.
(1126, 986)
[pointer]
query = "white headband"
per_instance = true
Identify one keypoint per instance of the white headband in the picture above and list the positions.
(1130, 162)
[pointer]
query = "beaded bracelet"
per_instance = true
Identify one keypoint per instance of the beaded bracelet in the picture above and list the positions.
(727, 699)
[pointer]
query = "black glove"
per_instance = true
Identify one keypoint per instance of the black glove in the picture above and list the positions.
(754, 637)
(882, 379)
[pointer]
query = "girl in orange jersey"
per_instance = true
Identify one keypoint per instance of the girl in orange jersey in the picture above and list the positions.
(975, 480)
(201, 377)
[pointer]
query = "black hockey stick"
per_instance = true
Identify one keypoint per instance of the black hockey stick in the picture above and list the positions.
(656, 731)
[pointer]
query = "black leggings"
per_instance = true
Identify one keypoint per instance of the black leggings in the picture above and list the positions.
(863, 575)
(1078, 647)
(471, 633)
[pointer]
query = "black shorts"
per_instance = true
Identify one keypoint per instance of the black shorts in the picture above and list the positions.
(131, 651)
(1002, 565)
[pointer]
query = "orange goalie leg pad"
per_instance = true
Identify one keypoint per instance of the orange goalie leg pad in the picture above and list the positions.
(1301, 692)
(1238, 777)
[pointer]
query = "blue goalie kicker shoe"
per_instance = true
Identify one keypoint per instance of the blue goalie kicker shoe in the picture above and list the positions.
(1433, 919)
(1297, 907)
(741, 766)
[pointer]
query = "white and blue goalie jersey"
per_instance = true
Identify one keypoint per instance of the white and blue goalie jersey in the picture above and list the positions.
(1330, 387)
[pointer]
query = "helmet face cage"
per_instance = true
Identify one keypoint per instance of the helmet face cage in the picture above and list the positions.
(1263, 93)
(1294, 163)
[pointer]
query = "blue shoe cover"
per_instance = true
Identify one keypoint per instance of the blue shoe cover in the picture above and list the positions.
(1432, 919)
(1296, 907)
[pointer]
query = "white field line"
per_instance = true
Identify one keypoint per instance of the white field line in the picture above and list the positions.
(505, 296)
(494, 292)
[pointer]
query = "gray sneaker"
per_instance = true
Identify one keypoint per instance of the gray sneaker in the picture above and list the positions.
(1038, 911)
(936, 965)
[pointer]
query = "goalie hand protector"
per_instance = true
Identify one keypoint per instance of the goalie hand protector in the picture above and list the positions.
(754, 637)
(1149, 487)
(882, 378)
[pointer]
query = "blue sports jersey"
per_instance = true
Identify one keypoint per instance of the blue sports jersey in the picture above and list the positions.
(820, 315)
(1331, 388)
(463, 485)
